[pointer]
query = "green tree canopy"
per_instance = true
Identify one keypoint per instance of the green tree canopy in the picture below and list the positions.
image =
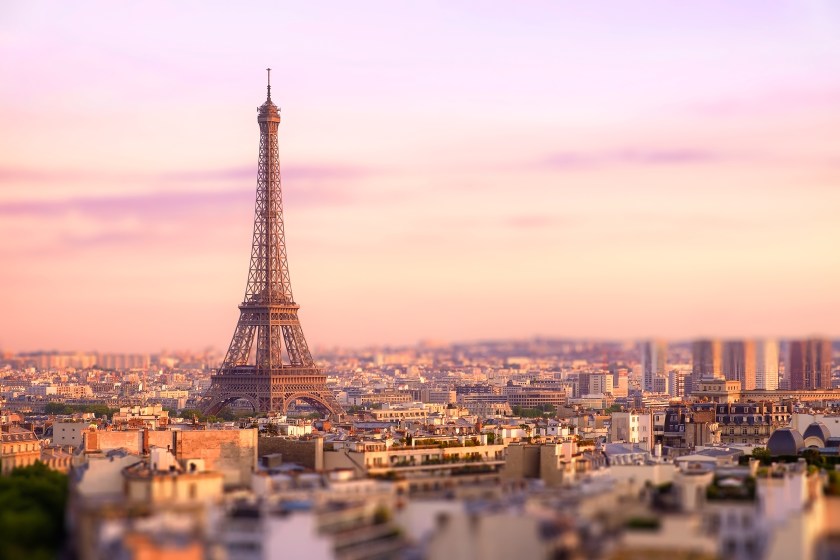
(32, 513)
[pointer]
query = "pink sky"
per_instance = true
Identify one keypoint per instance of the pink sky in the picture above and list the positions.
(452, 170)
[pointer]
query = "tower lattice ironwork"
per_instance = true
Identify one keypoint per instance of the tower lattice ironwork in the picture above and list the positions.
(256, 368)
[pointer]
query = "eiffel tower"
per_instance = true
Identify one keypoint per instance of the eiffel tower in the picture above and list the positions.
(259, 373)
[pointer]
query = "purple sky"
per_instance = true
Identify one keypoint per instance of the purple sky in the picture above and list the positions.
(451, 170)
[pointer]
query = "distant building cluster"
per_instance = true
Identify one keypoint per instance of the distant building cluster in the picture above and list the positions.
(538, 449)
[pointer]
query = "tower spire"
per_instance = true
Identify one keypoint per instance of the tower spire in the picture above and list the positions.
(269, 83)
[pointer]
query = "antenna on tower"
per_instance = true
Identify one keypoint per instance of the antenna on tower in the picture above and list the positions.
(269, 82)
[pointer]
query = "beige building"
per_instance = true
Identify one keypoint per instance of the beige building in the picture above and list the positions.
(397, 414)
(555, 464)
(153, 417)
(632, 427)
(538, 398)
(601, 383)
(717, 390)
(425, 464)
(164, 480)
(386, 397)
(69, 433)
(459, 534)
(18, 448)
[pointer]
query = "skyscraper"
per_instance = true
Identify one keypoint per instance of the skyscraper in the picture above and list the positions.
(706, 361)
(767, 364)
(738, 362)
(809, 364)
(677, 381)
(653, 358)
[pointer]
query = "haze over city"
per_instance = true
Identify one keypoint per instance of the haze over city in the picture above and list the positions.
(450, 171)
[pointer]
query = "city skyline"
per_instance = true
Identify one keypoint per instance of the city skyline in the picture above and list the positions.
(603, 178)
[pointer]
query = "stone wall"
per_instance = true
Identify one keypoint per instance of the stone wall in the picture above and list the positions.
(137, 442)
(522, 461)
(104, 440)
(161, 438)
(230, 452)
(307, 453)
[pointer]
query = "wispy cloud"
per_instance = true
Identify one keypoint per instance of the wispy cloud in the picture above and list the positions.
(166, 204)
(642, 157)
(294, 172)
(536, 221)
(237, 173)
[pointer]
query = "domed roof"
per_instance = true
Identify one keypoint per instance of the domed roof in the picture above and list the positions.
(785, 441)
(818, 430)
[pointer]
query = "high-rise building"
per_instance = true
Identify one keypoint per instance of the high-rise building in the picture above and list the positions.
(600, 383)
(809, 364)
(677, 380)
(706, 362)
(738, 362)
(767, 364)
(582, 384)
(654, 357)
(660, 384)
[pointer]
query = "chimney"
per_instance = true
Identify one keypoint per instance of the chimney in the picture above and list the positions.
(91, 440)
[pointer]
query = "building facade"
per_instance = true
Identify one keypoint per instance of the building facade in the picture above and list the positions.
(767, 364)
(809, 364)
(18, 448)
(706, 361)
(653, 361)
(632, 427)
(750, 423)
(738, 362)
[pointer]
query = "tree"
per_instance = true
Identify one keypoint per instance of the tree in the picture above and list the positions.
(763, 455)
(814, 457)
(58, 408)
(227, 415)
(190, 413)
(101, 410)
(33, 500)
(381, 515)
